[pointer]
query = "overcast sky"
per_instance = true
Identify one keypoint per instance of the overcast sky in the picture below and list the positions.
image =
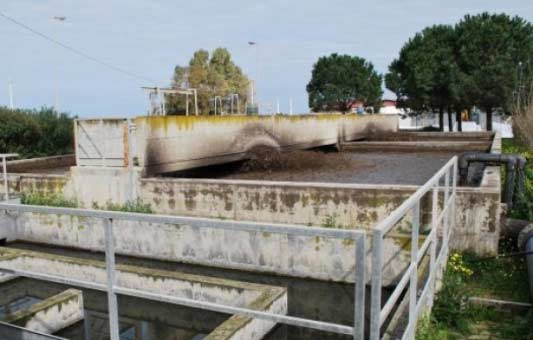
(150, 37)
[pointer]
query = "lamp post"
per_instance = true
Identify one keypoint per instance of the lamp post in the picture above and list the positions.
(56, 105)
(253, 44)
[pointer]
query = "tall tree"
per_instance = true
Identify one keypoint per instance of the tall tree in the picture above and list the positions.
(425, 74)
(215, 75)
(489, 49)
(339, 80)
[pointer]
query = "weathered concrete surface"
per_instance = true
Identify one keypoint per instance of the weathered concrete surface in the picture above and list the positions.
(417, 146)
(172, 143)
(51, 315)
(353, 206)
(290, 255)
(41, 163)
(228, 292)
(432, 136)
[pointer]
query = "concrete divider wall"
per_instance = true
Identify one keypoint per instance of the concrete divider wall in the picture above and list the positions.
(41, 163)
(172, 143)
(298, 256)
(52, 314)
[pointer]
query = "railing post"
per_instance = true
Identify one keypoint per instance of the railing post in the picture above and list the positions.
(360, 287)
(375, 298)
(446, 218)
(111, 279)
(6, 184)
(413, 284)
(433, 246)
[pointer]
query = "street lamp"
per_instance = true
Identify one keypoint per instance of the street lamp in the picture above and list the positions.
(253, 44)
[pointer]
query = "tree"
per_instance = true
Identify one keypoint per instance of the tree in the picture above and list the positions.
(215, 75)
(33, 133)
(339, 80)
(424, 77)
(489, 49)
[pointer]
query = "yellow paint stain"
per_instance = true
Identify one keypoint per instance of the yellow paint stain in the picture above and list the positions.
(164, 123)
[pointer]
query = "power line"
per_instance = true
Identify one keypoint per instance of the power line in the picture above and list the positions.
(76, 51)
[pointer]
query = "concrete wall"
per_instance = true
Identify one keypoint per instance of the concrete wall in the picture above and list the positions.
(42, 163)
(299, 256)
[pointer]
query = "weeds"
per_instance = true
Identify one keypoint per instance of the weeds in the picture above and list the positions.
(135, 206)
(330, 221)
(52, 200)
(57, 200)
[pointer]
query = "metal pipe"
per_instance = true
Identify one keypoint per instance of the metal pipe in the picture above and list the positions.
(513, 162)
(525, 242)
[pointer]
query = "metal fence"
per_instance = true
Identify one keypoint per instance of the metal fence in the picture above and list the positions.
(442, 219)
(112, 289)
(441, 225)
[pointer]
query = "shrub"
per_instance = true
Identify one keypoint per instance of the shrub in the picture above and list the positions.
(33, 133)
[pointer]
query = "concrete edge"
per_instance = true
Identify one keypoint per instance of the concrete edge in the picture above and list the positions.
(24, 316)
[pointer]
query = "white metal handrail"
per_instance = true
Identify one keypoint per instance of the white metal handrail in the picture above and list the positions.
(378, 313)
(113, 289)
(4, 157)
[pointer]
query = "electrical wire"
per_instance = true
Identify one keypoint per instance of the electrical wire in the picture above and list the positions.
(76, 51)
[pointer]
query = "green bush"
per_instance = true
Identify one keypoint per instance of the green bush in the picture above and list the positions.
(35, 133)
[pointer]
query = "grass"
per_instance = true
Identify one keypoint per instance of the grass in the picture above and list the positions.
(503, 278)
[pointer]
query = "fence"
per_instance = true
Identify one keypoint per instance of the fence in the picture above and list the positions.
(379, 313)
(357, 331)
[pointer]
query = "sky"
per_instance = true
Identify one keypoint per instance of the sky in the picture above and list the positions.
(150, 37)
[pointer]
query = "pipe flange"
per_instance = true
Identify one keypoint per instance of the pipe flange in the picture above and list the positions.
(524, 235)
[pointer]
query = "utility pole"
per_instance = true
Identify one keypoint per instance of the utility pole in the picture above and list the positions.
(290, 106)
(277, 106)
(10, 89)
(254, 45)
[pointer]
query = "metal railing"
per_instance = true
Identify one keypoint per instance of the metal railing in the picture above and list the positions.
(112, 289)
(380, 313)
(4, 157)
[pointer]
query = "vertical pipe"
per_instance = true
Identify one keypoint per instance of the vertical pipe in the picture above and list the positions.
(111, 280)
(529, 262)
(413, 281)
(375, 298)
(360, 287)
(195, 102)
(186, 104)
(510, 183)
